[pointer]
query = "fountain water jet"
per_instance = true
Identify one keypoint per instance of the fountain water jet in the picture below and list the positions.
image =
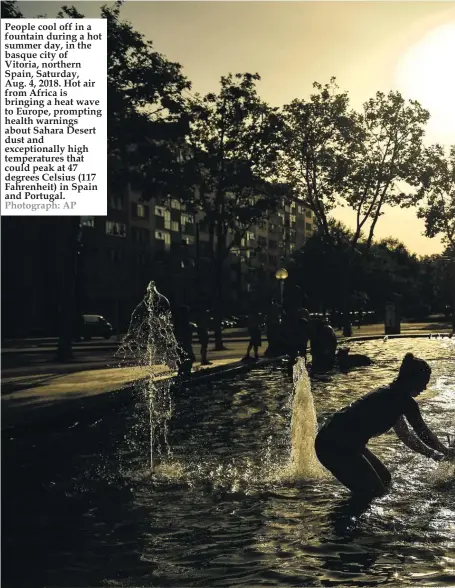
(150, 343)
(304, 427)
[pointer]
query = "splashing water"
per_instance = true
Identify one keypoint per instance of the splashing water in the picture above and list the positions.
(151, 344)
(304, 462)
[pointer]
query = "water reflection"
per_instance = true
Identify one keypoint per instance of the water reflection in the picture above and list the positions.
(221, 512)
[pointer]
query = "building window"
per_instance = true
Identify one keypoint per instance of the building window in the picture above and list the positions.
(115, 229)
(273, 244)
(88, 221)
(308, 213)
(166, 215)
(272, 259)
(187, 219)
(188, 240)
(262, 242)
(175, 226)
(262, 225)
(163, 236)
(116, 201)
(175, 204)
(308, 226)
(139, 210)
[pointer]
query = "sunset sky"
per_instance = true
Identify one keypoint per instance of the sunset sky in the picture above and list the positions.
(368, 46)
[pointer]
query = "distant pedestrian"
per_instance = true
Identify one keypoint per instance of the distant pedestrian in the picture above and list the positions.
(203, 335)
(184, 336)
(323, 345)
(359, 318)
(296, 333)
(254, 331)
(272, 327)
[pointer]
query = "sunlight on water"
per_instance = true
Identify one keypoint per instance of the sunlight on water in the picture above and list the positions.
(150, 343)
(249, 474)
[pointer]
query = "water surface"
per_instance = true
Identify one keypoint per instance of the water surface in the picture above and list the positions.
(80, 507)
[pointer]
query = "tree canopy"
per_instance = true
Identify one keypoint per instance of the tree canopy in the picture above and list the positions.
(437, 193)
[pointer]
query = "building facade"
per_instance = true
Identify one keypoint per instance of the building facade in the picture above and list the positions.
(142, 240)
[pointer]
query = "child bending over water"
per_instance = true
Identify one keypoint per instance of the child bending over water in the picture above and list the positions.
(341, 444)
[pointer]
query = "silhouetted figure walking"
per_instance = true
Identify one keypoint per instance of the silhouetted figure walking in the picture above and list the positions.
(272, 329)
(203, 334)
(254, 330)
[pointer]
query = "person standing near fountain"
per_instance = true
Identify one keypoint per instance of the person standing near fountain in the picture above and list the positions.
(254, 331)
(323, 343)
(184, 335)
(341, 444)
(203, 334)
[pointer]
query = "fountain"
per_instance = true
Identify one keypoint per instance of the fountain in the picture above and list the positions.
(222, 511)
(304, 427)
(150, 343)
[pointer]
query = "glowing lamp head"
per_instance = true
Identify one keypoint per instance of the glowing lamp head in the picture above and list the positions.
(281, 274)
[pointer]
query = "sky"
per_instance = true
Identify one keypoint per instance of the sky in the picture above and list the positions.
(367, 46)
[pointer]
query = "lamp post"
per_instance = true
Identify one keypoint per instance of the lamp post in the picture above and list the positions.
(281, 275)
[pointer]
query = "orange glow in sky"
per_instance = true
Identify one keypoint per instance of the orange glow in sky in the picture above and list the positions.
(367, 46)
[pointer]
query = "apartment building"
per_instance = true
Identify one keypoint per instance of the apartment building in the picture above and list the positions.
(142, 240)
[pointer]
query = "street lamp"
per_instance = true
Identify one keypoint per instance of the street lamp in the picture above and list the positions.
(281, 274)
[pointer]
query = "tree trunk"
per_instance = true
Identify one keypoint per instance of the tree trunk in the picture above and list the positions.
(218, 305)
(346, 297)
(67, 230)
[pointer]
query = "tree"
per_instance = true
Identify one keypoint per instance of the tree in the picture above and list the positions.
(234, 140)
(437, 191)
(335, 156)
(388, 157)
(326, 251)
(145, 118)
(318, 137)
(10, 10)
(436, 283)
(146, 109)
(146, 123)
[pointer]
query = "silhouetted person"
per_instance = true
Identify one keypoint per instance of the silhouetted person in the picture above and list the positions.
(203, 334)
(346, 360)
(184, 335)
(254, 331)
(296, 333)
(323, 345)
(341, 444)
(272, 327)
(359, 318)
(303, 332)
